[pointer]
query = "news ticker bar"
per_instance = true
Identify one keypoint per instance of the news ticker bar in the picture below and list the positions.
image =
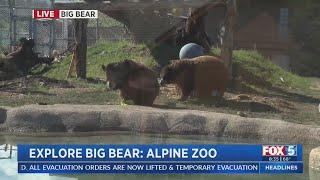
(160, 159)
(160, 153)
(162, 168)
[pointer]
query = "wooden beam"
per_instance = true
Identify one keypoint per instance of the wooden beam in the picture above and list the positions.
(132, 5)
(227, 45)
(197, 13)
(79, 58)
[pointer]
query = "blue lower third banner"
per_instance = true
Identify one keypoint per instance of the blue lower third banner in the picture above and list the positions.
(161, 168)
(160, 159)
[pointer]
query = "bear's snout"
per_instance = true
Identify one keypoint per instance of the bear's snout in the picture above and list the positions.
(161, 82)
(111, 86)
(108, 85)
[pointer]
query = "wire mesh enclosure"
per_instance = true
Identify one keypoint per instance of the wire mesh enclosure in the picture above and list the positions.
(16, 22)
(4, 25)
(50, 35)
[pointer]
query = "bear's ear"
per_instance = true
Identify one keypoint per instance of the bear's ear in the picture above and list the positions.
(104, 68)
(127, 61)
(31, 42)
(130, 64)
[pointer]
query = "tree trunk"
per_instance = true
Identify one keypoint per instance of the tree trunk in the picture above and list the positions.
(227, 44)
(80, 52)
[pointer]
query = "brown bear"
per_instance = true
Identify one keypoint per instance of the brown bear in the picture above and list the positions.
(206, 76)
(135, 81)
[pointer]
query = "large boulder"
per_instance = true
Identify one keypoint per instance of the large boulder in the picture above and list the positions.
(314, 159)
(80, 118)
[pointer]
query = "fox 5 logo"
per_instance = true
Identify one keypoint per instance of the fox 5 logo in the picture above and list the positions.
(279, 150)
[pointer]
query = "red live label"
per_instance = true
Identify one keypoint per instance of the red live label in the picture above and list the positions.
(45, 14)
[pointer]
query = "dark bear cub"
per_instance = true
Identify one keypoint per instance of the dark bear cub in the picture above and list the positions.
(22, 59)
(135, 81)
(206, 76)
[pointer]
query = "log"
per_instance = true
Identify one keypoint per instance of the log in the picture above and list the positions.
(71, 66)
(192, 29)
(80, 51)
(227, 44)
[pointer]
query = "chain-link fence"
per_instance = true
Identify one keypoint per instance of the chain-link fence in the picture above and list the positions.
(4, 25)
(102, 29)
(16, 22)
(49, 35)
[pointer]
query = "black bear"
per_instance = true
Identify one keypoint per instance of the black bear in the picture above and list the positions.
(135, 81)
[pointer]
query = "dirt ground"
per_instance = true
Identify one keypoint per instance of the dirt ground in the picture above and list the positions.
(291, 107)
(276, 104)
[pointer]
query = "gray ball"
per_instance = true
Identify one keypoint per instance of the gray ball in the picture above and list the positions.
(190, 51)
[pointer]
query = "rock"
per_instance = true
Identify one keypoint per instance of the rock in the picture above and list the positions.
(242, 97)
(42, 84)
(80, 118)
(189, 124)
(42, 119)
(110, 119)
(314, 159)
(139, 120)
(20, 96)
(102, 53)
(242, 114)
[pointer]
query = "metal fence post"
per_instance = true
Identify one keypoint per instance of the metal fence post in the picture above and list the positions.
(52, 30)
(10, 5)
(97, 29)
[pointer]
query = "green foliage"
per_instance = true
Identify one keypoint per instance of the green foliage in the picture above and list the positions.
(4, 23)
(94, 96)
(104, 53)
(257, 70)
(104, 21)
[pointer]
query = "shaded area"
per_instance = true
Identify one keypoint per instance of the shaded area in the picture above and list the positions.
(33, 85)
(294, 96)
(19, 62)
(171, 53)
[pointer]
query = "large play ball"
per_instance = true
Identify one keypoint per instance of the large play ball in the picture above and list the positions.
(190, 51)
